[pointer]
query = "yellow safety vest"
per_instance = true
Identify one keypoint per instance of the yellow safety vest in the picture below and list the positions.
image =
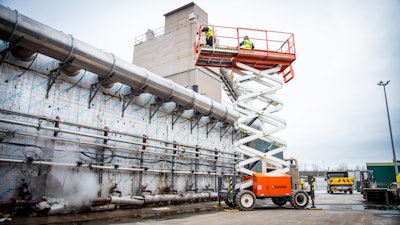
(247, 44)
(209, 33)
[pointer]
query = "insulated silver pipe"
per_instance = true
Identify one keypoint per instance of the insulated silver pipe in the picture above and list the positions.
(149, 199)
(138, 200)
(36, 36)
(51, 163)
(57, 129)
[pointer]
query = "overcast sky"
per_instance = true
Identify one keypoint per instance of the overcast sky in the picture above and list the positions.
(335, 110)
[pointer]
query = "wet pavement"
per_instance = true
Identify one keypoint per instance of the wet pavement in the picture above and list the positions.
(330, 209)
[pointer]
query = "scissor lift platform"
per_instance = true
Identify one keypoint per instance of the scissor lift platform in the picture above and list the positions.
(272, 49)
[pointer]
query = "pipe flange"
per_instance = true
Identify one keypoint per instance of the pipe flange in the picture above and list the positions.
(145, 82)
(211, 109)
(167, 99)
(112, 68)
(192, 103)
(226, 114)
(71, 50)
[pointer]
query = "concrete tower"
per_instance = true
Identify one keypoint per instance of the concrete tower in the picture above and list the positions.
(169, 52)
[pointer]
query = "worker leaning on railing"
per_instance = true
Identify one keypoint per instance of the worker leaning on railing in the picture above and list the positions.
(209, 35)
(247, 44)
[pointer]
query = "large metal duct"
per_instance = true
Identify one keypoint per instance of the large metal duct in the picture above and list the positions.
(36, 36)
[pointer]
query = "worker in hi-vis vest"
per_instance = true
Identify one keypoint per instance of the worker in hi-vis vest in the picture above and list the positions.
(209, 35)
(247, 44)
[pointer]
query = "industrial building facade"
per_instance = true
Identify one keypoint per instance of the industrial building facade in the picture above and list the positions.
(76, 125)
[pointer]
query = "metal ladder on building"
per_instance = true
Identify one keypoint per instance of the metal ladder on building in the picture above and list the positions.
(228, 84)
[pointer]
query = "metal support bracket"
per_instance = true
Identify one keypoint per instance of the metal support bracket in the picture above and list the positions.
(54, 74)
(127, 99)
(94, 88)
(3, 54)
(222, 132)
(179, 111)
(197, 118)
(157, 106)
(234, 137)
(212, 126)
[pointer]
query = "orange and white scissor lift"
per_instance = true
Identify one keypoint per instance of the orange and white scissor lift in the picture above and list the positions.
(261, 71)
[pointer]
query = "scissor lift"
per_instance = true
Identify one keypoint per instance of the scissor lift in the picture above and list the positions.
(257, 82)
(255, 85)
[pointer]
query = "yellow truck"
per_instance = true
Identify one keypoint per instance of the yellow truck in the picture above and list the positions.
(339, 181)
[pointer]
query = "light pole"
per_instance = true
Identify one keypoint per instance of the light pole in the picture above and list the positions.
(396, 170)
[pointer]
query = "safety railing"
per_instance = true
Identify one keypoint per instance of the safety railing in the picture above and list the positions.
(149, 35)
(263, 40)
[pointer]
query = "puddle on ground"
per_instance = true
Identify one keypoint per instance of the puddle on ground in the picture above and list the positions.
(389, 215)
(161, 208)
(355, 207)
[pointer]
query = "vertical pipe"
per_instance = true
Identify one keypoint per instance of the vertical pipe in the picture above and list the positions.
(196, 168)
(100, 171)
(235, 156)
(216, 160)
(215, 168)
(56, 125)
(106, 130)
(173, 165)
(144, 140)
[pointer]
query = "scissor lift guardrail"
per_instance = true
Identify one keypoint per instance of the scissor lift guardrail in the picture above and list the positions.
(272, 48)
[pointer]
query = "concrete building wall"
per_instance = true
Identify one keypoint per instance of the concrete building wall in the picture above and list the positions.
(169, 53)
(200, 78)
(180, 17)
(172, 55)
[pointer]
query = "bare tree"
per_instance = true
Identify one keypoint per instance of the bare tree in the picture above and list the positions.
(315, 167)
(343, 166)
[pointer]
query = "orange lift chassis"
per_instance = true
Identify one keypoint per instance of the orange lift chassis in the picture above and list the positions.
(256, 75)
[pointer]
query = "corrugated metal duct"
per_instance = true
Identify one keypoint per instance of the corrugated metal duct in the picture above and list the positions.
(36, 36)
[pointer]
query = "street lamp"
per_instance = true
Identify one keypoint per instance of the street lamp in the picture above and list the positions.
(396, 170)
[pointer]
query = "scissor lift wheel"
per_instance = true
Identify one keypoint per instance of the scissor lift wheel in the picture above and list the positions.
(246, 200)
(299, 199)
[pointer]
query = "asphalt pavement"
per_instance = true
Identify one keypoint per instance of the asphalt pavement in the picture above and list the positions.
(329, 209)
